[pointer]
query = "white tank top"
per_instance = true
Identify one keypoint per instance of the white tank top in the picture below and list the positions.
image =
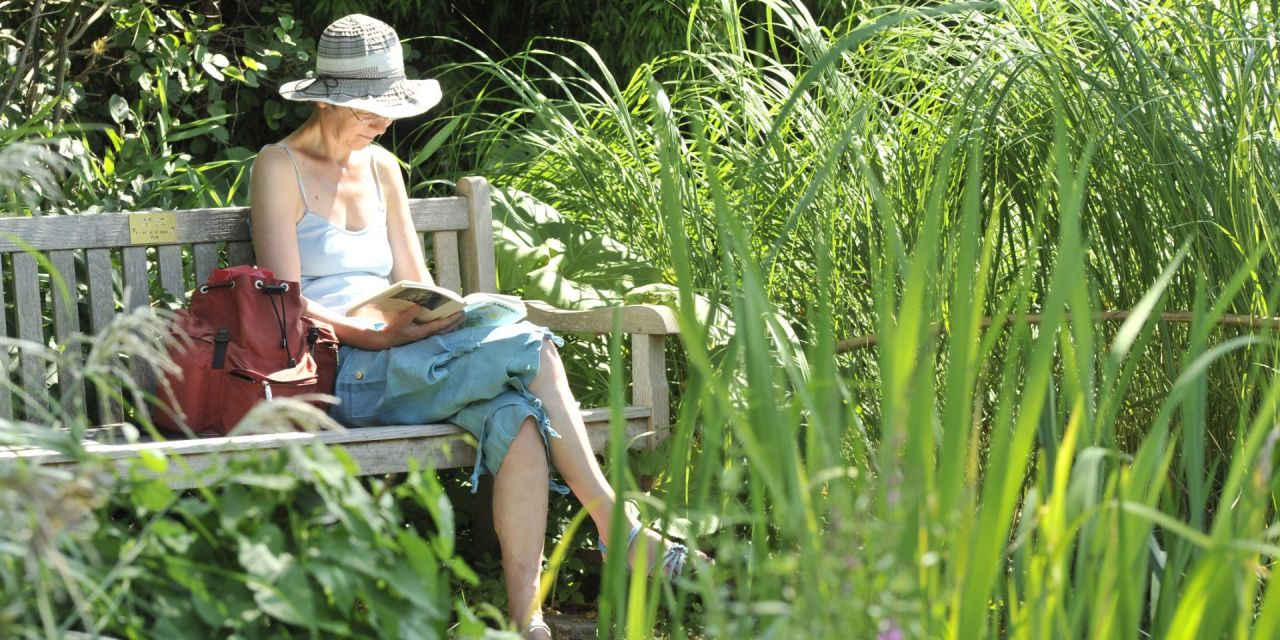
(341, 267)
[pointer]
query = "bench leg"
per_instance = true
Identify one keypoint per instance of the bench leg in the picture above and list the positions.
(649, 388)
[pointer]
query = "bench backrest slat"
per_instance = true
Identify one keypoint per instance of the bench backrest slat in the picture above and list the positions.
(479, 272)
(102, 308)
(102, 305)
(6, 399)
(26, 302)
(206, 259)
(134, 262)
(171, 277)
(66, 321)
(111, 230)
(445, 247)
(137, 294)
(198, 241)
(240, 252)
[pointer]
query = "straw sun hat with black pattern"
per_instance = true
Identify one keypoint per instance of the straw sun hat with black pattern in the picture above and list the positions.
(360, 64)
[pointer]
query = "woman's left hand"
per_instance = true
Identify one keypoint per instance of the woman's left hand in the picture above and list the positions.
(403, 330)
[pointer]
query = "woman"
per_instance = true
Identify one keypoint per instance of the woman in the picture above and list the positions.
(330, 210)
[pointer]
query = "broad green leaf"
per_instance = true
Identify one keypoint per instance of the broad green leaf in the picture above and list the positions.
(174, 535)
(152, 495)
(153, 462)
(290, 599)
(119, 108)
(262, 553)
(339, 582)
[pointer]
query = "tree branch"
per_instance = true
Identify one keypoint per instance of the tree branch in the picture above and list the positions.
(83, 27)
(62, 49)
(1182, 317)
(18, 68)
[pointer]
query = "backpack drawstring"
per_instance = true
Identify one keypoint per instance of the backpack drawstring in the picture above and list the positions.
(281, 315)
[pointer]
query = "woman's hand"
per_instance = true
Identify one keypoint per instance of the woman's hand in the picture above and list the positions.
(402, 329)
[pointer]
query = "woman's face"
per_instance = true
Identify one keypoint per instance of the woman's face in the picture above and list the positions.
(354, 128)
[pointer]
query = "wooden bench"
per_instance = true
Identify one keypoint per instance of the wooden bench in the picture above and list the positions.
(121, 257)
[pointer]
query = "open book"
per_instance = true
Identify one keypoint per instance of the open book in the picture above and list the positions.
(481, 309)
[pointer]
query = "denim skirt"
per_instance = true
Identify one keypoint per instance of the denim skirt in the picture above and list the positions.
(476, 378)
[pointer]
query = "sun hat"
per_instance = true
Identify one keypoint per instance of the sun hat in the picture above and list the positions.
(360, 64)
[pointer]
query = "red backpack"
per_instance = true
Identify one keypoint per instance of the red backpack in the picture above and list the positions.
(248, 343)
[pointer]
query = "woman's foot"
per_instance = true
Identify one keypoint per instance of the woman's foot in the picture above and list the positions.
(662, 556)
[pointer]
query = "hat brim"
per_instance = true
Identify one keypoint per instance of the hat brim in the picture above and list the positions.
(390, 98)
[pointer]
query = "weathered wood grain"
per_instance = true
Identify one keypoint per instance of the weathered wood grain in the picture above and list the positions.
(636, 318)
(478, 268)
(377, 450)
(448, 270)
(66, 321)
(108, 230)
(28, 313)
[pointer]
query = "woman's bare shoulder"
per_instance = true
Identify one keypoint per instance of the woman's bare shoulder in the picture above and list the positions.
(274, 165)
(385, 160)
(270, 157)
(274, 184)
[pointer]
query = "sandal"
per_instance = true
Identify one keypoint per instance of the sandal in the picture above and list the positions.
(537, 629)
(672, 561)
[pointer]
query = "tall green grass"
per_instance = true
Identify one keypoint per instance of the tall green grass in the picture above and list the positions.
(909, 174)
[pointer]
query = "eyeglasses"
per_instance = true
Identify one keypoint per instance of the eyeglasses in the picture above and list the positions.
(367, 116)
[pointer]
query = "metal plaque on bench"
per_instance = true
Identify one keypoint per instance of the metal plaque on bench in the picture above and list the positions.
(160, 227)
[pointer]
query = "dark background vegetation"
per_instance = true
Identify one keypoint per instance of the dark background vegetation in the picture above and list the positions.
(219, 101)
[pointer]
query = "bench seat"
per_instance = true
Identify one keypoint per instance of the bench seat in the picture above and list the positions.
(378, 450)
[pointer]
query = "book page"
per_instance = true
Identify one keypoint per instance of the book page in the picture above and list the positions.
(426, 298)
(435, 302)
(493, 310)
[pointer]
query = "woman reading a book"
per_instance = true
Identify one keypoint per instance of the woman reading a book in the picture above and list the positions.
(330, 210)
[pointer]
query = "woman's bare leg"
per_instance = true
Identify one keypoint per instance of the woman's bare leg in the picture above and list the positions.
(520, 519)
(571, 453)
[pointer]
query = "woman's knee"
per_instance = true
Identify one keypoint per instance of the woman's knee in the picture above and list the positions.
(549, 351)
(550, 366)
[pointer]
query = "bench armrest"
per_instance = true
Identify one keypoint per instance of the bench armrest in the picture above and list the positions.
(649, 325)
(647, 319)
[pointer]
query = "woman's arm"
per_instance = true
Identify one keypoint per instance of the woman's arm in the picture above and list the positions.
(397, 331)
(274, 213)
(406, 249)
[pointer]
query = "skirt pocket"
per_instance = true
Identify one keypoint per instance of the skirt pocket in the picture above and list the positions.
(359, 397)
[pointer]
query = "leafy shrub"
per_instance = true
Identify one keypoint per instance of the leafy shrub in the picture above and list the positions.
(270, 546)
(152, 101)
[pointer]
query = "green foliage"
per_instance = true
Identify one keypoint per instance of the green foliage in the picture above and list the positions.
(29, 173)
(545, 257)
(271, 546)
(909, 172)
(148, 110)
(186, 71)
(816, 126)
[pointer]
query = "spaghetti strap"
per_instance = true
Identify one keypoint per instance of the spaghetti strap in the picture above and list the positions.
(377, 183)
(306, 205)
